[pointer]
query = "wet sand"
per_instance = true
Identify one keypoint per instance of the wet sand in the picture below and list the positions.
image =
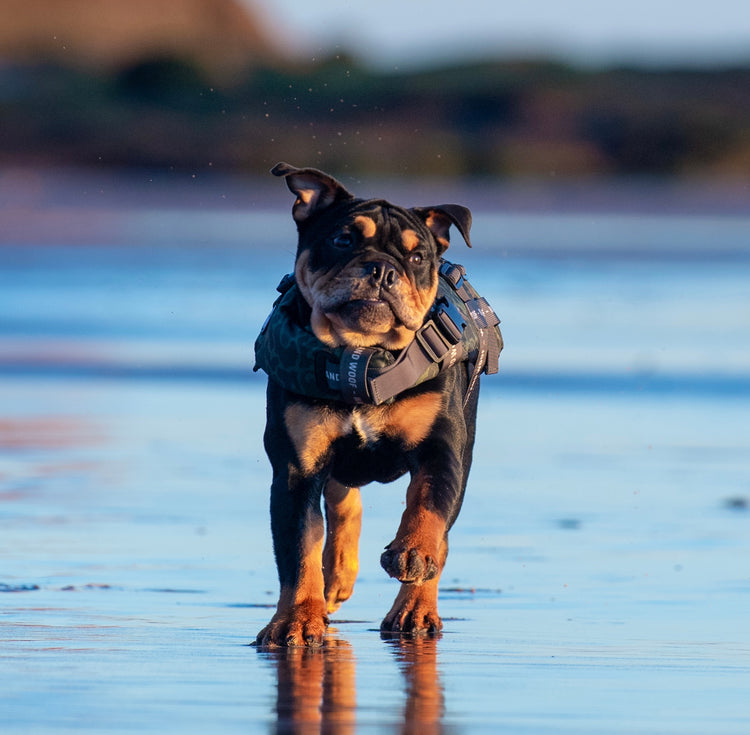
(598, 579)
(595, 587)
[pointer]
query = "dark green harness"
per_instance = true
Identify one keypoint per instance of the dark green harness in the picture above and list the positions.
(460, 327)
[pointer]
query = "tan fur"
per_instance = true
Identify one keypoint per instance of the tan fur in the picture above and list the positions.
(319, 288)
(415, 608)
(313, 429)
(366, 225)
(436, 222)
(423, 300)
(341, 551)
(308, 282)
(411, 418)
(421, 527)
(301, 611)
(395, 338)
(421, 530)
(409, 239)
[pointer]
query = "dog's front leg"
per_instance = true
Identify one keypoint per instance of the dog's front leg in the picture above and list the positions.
(416, 558)
(417, 555)
(298, 534)
(297, 439)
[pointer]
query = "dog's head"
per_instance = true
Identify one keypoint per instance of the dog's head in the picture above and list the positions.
(368, 269)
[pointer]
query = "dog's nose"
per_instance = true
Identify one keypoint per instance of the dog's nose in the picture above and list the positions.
(382, 274)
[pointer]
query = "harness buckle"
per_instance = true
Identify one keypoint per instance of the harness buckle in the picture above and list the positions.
(432, 341)
(453, 273)
(448, 316)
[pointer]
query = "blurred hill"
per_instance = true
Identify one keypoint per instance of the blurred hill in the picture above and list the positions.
(202, 84)
(219, 35)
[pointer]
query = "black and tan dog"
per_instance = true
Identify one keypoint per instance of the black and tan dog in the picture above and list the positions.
(366, 275)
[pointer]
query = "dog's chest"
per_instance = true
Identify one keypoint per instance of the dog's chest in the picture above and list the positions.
(313, 429)
(366, 425)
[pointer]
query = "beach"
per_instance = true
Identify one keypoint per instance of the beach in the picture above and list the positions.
(598, 579)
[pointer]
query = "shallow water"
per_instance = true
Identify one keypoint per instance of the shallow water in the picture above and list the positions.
(599, 574)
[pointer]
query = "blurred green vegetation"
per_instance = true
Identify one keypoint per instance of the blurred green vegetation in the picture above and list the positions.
(499, 118)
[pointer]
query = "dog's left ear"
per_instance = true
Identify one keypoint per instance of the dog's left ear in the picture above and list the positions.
(439, 220)
(314, 189)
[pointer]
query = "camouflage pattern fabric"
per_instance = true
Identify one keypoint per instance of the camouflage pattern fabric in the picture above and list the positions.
(291, 355)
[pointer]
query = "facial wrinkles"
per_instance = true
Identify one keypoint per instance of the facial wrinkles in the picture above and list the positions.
(313, 284)
(417, 300)
(327, 289)
(306, 282)
(400, 234)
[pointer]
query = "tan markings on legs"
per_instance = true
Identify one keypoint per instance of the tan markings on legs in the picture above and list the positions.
(341, 551)
(366, 225)
(415, 610)
(418, 552)
(300, 618)
(312, 429)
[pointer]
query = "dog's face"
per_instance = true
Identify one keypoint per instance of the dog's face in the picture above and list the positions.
(368, 269)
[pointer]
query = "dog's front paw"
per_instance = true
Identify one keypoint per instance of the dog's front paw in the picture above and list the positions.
(414, 611)
(303, 624)
(409, 565)
(339, 586)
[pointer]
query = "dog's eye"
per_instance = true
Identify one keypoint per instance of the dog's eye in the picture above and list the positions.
(415, 258)
(343, 240)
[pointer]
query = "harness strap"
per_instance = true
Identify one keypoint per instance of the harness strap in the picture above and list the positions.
(421, 360)
(462, 328)
(428, 354)
(484, 319)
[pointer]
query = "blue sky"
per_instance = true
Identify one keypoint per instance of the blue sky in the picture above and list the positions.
(403, 33)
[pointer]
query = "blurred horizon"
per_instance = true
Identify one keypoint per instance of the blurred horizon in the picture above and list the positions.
(640, 33)
(234, 86)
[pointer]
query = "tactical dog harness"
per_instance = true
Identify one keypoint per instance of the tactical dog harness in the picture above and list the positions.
(460, 327)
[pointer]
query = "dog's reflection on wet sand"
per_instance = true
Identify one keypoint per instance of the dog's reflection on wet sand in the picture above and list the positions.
(425, 702)
(317, 689)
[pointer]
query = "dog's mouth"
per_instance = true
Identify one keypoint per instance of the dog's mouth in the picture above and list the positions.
(348, 308)
(367, 315)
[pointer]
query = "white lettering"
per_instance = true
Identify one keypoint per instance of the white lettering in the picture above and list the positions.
(351, 368)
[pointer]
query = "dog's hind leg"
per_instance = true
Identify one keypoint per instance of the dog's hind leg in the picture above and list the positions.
(343, 507)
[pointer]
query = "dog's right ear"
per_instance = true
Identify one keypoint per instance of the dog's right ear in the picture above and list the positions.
(314, 189)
